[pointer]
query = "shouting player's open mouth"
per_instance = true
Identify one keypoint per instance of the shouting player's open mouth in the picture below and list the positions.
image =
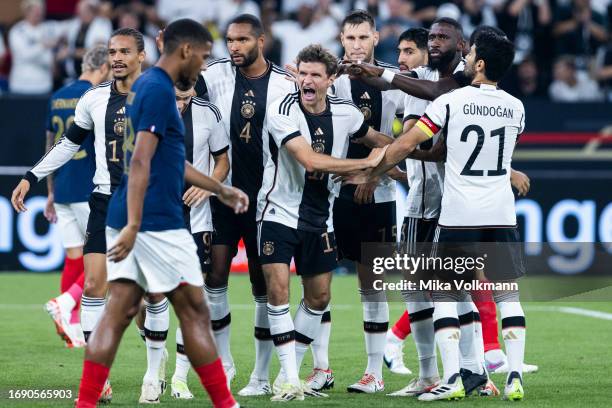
(309, 94)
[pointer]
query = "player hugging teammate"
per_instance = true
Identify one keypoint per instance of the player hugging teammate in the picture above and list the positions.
(275, 139)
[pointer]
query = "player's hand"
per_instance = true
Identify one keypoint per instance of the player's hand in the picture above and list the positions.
(362, 69)
(195, 196)
(520, 181)
(364, 193)
(19, 194)
(49, 212)
(355, 177)
(292, 69)
(376, 156)
(234, 198)
(124, 244)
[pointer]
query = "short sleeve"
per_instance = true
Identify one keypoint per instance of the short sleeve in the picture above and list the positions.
(359, 126)
(414, 107)
(155, 108)
(282, 122)
(219, 141)
(82, 115)
(521, 125)
(434, 117)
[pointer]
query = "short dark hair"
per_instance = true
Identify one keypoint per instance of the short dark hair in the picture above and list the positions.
(316, 53)
(185, 30)
(485, 29)
(357, 17)
(496, 52)
(130, 32)
(416, 35)
(254, 22)
(451, 22)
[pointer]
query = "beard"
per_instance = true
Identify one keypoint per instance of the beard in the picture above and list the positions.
(248, 59)
(184, 83)
(442, 61)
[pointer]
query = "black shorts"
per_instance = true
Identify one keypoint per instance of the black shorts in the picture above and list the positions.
(416, 231)
(314, 252)
(502, 249)
(203, 241)
(355, 224)
(95, 235)
(229, 227)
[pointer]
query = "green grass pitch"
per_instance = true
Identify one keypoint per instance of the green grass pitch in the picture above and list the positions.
(574, 352)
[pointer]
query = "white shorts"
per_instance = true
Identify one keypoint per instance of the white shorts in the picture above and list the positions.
(159, 262)
(72, 223)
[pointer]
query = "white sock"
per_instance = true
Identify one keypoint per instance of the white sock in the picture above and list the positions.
(420, 312)
(182, 362)
(320, 344)
(157, 323)
(393, 339)
(220, 319)
(91, 311)
(513, 333)
(65, 302)
(307, 323)
(263, 340)
(283, 336)
(467, 345)
(375, 326)
(446, 326)
(478, 338)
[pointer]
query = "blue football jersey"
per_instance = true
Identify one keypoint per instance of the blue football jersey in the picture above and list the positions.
(73, 182)
(151, 107)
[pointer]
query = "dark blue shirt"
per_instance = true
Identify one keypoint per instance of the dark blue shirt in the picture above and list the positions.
(151, 107)
(73, 182)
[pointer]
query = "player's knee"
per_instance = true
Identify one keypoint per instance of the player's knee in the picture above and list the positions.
(94, 287)
(278, 294)
(154, 297)
(216, 279)
(318, 301)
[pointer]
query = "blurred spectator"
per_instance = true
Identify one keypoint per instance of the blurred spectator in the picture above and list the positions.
(31, 42)
(83, 32)
(170, 10)
(130, 19)
(475, 13)
(578, 30)
(273, 47)
(570, 85)
(525, 22)
(604, 70)
(399, 20)
(3, 59)
(528, 82)
(228, 9)
(309, 28)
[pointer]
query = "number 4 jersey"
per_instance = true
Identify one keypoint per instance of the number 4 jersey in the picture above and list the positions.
(483, 124)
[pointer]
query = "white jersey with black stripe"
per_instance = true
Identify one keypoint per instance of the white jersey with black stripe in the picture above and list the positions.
(426, 179)
(379, 108)
(482, 127)
(102, 109)
(290, 195)
(243, 102)
(208, 138)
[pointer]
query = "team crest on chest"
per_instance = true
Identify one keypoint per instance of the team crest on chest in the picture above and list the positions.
(318, 142)
(119, 122)
(268, 248)
(247, 110)
(364, 105)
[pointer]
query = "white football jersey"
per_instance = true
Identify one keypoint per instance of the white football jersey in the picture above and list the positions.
(379, 109)
(424, 178)
(290, 195)
(482, 127)
(205, 135)
(243, 102)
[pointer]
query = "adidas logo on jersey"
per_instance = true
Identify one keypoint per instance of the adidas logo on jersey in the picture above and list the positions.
(121, 111)
(250, 93)
(318, 132)
(365, 95)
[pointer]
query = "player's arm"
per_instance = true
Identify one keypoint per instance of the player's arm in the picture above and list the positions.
(230, 196)
(299, 148)
(60, 154)
(194, 196)
(435, 154)
(374, 139)
(520, 181)
(49, 212)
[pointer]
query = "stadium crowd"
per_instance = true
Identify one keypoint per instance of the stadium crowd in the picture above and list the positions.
(564, 48)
